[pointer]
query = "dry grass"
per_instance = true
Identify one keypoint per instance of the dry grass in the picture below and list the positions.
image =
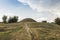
(40, 31)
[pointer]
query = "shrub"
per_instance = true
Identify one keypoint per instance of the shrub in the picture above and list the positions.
(57, 21)
(44, 21)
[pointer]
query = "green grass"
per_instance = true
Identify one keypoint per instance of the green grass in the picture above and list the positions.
(40, 31)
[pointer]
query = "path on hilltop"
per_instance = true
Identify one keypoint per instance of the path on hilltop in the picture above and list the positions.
(29, 32)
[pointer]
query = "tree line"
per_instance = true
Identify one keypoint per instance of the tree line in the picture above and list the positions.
(14, 19)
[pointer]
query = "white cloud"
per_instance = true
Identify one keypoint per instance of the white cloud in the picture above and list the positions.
(41, 19)
(51, 6)
(41, 5)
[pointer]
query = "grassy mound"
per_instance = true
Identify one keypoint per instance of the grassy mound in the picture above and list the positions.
(27, 20)
(31, 31)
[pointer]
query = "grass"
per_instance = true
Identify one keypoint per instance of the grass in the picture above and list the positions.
(40, 31)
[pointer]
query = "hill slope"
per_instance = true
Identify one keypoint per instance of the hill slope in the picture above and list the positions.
(28, 20)
(29, 31)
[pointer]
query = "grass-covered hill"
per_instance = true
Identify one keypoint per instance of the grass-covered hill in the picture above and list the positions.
(29, 31)
(28, 20)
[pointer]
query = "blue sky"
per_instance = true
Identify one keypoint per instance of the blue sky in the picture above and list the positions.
(36, 9)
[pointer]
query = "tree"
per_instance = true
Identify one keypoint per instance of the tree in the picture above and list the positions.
(10, 20)
(57, 21)
(4, 18)
(13, 19)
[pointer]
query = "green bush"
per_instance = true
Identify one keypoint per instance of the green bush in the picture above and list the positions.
(44, 21)
(57, 21)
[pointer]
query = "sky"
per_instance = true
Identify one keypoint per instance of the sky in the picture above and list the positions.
(38, 10)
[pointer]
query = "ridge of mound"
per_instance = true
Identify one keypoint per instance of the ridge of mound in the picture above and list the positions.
(27, 20)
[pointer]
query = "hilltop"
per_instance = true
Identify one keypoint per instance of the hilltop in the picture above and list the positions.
(28, 20)
(29, 31)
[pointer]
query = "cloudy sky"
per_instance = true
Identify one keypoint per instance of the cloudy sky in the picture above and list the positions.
(36, 9)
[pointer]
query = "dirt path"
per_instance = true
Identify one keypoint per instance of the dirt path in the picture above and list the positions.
(29, 32)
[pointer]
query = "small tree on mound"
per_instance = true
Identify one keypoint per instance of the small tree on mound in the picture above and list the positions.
(57, 21)
(4, 18)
